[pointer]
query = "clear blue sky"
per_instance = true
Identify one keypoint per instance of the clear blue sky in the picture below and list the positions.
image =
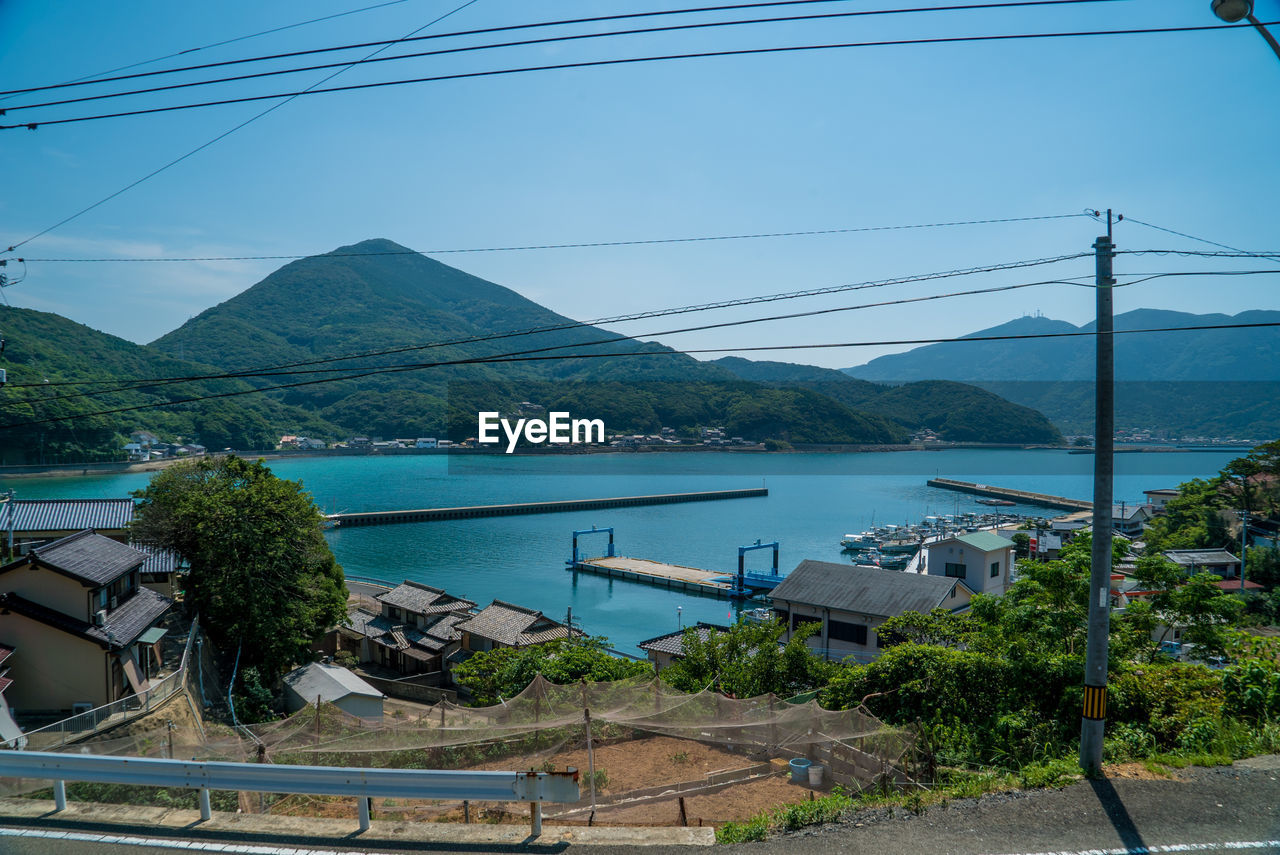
(1178, 130)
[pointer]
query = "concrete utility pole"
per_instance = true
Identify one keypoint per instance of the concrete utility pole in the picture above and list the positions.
(1095, 663)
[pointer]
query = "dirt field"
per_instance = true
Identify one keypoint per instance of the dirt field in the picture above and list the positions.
(638, 764)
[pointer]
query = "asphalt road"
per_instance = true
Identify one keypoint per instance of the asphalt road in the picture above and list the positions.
(1234, 809)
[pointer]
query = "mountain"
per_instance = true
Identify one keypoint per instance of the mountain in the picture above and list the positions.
(50, 350)
(1217, 383)
(957, 412)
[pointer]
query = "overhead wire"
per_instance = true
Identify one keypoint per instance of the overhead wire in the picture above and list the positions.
(645, 353)
(594, 19)
(666, 28)
(153, 173)
(620, 61)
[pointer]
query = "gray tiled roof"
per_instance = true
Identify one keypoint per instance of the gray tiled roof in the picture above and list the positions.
(159, 559)
(423, 599)
(124, 624)
(864, 590)
(67, 514)
(1196, 557)
(446, 628)
(673, 642)
(513, 625)
(87, 557)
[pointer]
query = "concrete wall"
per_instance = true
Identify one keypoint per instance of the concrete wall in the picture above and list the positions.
(423, 689)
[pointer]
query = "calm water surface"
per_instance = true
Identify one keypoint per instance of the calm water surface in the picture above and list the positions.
(813, 500)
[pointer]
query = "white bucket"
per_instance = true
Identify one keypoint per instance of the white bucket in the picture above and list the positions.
(815, 775)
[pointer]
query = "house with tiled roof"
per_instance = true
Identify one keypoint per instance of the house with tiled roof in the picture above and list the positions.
(10, 733)
(1220, 562)
(662, 650)
(414, 632)
(36, 521)
(502, 624)
(84, 623)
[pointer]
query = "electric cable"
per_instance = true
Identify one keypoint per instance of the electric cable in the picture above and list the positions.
(642, 353)
(600, 63)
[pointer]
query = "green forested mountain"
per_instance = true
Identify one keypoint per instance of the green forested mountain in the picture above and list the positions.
(957, 412)
(49, 350)
(410, 335)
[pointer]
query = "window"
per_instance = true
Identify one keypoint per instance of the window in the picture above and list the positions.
(393, 613)
(854, 633)
(783, 617)
(956, 570)
(995, 569)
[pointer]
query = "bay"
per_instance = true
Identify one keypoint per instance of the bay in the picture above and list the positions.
(813, 500)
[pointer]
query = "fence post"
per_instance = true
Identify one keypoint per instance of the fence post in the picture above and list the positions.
(206, 810)
(363, 803)
(535, 818)
(59, 795)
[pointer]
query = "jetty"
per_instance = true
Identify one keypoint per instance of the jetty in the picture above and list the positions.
(470, 512)
(1023, 497)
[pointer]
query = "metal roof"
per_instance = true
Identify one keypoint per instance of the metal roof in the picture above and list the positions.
(1198, 557)
(88, 557)
(863, 590)
(330, 683)
(32, 515)
(984, 540)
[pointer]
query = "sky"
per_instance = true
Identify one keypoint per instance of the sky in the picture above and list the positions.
(1176, 130)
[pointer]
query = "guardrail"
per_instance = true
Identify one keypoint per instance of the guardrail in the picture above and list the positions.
(364, 784)
(61, 732)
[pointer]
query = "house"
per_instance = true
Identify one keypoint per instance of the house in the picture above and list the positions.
(143, 438)
(29, 522)
(1157, 499)
(425, 442)
(1217, 561)
(502, 624)
(85, 624)
(136, 453)
(850, 602)
(982, 559)
(414, 631)
(161, 569)
(331, 684)
(662, 650)
(10, 734)
(1129, 520)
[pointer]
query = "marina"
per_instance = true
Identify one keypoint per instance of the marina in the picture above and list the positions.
(677, 577)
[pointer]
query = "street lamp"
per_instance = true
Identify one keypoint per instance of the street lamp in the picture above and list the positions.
(1232, 11)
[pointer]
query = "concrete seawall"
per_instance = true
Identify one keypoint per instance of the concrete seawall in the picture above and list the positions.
(437, 514)
(1025, 497)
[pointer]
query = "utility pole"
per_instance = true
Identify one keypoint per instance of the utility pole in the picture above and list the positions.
(1095, 664)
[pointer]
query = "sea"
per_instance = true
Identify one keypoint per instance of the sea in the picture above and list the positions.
(814, 499)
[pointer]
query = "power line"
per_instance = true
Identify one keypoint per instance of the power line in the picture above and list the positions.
(640, 353)
(623, 61)
(583, 245)
(143, 384)
(217, 139)
(595, 19)
(1273, 256)
(520, 43)
(100, 77)
(656, 313)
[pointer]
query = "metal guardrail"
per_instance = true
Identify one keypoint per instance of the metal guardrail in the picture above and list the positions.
(533, 787)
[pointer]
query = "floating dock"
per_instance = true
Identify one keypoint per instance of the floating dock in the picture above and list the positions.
(1024, 497)
(672, 576)
(474, 511)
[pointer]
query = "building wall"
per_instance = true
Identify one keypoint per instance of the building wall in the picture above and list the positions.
(51, 669)
(977, 564)
(49, 589)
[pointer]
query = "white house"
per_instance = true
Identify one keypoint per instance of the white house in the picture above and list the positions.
(984, 561)
(425, 442)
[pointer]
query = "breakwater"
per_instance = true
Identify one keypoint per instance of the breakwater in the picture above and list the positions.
(474, 511)
(1025, 497)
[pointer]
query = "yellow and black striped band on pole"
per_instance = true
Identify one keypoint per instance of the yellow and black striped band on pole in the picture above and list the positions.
(1095, 702)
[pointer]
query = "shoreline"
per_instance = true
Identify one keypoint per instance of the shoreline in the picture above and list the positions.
(71, 470)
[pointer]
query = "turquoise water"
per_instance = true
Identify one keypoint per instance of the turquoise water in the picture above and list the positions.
(813, 500)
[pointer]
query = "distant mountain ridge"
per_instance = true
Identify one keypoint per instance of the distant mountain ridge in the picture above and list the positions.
(1210, 383)
(444, 345)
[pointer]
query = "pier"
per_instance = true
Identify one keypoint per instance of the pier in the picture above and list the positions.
(474, 511)
(1024, 497)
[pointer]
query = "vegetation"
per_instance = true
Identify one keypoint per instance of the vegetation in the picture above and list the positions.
(504, 672)
(748, 660)
(262, 577)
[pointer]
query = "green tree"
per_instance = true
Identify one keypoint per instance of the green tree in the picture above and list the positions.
(262, 576)
(1021, 545)
(494, 675)
(749, 660)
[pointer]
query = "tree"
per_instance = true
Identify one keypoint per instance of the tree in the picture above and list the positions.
(748, 660)
(262, 576)
(1021, 545)
(492, 676)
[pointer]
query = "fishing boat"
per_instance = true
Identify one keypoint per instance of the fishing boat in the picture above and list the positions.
(866, 540)
(1002, 503)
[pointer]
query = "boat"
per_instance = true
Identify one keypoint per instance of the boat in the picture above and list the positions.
(866, 540)
(1003, 503)
(760, 615)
